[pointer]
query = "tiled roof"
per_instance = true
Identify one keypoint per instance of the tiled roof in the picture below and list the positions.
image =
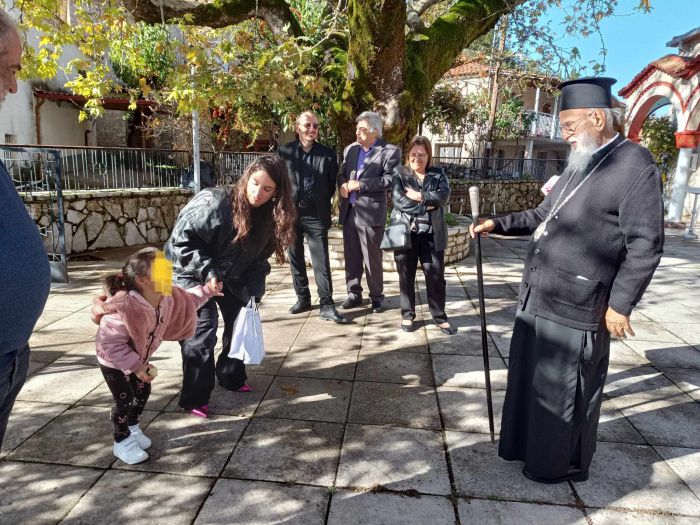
(675, 66)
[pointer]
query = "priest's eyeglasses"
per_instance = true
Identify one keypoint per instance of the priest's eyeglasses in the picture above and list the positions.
(571, 126)
(309, 125)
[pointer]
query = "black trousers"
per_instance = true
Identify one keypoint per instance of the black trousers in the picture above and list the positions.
(130, 395)
(310, 226)
(433, 263)
(199, 370)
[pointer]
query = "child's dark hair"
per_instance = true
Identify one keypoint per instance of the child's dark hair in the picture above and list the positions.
(137, 265)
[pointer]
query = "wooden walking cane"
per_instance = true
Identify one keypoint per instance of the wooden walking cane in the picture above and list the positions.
(474, 201)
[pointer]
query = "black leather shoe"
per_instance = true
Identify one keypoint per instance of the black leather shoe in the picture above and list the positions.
(573, 475)
(352, 301)
(377, 307)
(449, 330)
(408, 327)
(329, 313)
(300, 306)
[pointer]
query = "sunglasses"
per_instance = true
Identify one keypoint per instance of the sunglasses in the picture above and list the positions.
(309, 125)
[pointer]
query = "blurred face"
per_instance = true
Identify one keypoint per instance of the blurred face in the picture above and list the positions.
(261, 188)
(10, 64)
(365, 136)
(418, 158)
(307, 128)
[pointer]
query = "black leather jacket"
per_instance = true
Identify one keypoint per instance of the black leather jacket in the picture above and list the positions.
(436, 192)
(201, 247)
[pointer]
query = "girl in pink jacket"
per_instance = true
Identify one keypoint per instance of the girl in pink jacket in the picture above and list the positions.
(134, 320)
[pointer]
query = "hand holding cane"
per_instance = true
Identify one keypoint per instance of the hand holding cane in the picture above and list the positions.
(474, 201)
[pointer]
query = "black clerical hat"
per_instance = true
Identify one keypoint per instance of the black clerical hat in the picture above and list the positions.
(586, 92)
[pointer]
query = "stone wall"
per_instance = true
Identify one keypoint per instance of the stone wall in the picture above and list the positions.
(497, 196)
(112, 218)
(457, 247)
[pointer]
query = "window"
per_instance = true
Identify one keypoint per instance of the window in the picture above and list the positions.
(10, 139)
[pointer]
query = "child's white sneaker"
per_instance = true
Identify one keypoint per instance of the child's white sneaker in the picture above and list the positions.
(129, 451)
(142, 439)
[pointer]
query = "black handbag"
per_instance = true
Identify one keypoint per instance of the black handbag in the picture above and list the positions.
(397, 236)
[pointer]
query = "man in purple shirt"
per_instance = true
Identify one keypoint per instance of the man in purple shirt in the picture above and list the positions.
(363, 181)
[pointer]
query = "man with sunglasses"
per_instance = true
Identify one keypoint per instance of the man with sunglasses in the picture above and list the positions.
(313, 171)
(597, 239)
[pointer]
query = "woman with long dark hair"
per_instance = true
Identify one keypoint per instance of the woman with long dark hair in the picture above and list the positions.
(419, 193)
(227, 234)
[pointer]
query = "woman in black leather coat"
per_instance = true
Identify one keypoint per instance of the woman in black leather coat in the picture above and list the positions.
(227, 235)
(419, 194)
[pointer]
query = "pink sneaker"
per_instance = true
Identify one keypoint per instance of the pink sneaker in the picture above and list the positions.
(202, 411)
(244, 388)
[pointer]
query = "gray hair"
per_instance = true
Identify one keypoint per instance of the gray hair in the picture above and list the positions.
(373, 119)
(613, 118)
(308, 112)
(7, 24)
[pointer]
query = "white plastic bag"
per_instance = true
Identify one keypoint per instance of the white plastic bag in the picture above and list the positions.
(247, 341)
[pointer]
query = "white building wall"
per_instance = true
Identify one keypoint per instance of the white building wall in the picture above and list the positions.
(60, 125)
(17, 116)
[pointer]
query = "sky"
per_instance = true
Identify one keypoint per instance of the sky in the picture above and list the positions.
(634, 39)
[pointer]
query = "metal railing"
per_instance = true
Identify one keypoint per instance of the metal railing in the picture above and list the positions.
(95, 168)
(544, 126)
(494, 168)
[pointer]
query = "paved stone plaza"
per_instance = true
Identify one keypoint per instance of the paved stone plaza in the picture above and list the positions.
(360, 423)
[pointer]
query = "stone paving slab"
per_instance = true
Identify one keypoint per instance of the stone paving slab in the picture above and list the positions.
(40, 494)
(667, 355)
(487, 511)
(80, 436)
(479, 472)
(640, 381)
(614, 426)
(465, 409)
(395, 367)
(671, 421)
(306, 398)
(468, 371)
(396, 405)
(367, 508)
(326, 363)
(394, 458)
(140, 497)
(62, 381)
(261, 503)
(636, 478)
(616, 517)
(287, 450)
(27, 418)
(685, 462)
(686, 379)
(187, 445)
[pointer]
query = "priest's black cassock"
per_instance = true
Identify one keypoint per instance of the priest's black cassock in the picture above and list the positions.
(599, 249)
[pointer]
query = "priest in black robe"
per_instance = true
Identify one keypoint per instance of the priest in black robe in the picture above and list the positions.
(596, 240)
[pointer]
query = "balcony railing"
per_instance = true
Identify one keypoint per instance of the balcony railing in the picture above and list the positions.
(494, 168)
(544, 126)
(92, 168)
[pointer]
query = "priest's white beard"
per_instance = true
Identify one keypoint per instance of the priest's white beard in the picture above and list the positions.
(581, 156)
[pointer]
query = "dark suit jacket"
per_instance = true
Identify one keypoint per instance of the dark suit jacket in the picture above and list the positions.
(375, 181)
(325, 172)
